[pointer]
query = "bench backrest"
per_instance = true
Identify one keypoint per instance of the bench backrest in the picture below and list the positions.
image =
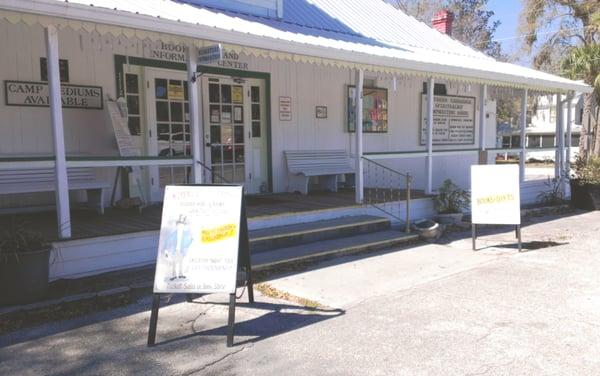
(45, 175)
(303, 160)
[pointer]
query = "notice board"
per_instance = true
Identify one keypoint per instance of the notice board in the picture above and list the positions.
(495, 197)
(199, 239)
(453, 120)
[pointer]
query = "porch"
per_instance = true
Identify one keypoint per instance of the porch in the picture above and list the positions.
(87, 224)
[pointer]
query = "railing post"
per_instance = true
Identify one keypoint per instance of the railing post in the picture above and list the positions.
(408, 184)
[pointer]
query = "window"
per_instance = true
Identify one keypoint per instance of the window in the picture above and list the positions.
(132, 95)
(575, 140)
(515, 141)
(548, 141)
(63, 68)
(533, 141)
(506, 141)
(438, 89)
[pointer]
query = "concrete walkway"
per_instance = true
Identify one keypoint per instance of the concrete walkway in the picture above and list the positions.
(428, 310)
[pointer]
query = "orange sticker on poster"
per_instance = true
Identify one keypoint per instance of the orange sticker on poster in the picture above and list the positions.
(218, 233)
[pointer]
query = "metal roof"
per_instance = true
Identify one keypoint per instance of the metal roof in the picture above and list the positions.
(360, 31)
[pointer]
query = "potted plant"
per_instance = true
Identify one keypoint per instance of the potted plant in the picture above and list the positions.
(450, 202)
(23, 264)
(585, 184)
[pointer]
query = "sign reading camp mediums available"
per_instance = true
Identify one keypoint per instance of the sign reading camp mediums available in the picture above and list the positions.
(35, 94)
(495, 197)
(199, 239)
(453, 120)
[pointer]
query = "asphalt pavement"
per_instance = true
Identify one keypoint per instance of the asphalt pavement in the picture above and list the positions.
(427, 310)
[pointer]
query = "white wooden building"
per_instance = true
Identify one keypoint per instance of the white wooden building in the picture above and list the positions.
(286, 82)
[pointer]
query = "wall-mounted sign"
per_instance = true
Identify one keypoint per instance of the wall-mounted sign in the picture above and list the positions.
(321, 112)
(210, 54)
(453, 120)
(199, 239)
(169, 51)
(285, 108)
(35, 94)
(495, 195)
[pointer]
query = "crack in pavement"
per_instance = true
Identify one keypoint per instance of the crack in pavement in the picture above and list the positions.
(217, 361)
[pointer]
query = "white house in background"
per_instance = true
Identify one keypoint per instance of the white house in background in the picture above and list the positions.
(541, 129)
(287, 81)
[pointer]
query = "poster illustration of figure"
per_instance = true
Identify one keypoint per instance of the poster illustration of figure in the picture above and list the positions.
(176, 248)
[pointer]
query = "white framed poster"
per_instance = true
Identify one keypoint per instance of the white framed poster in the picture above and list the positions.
(495, 196)
(199, 239)
(453, 120)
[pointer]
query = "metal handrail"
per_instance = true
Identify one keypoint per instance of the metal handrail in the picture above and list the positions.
(213, 173)
(408, 183)
(384, 167)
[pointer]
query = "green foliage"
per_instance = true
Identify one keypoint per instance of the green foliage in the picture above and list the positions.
(16, 239)
(554, 194)
(587, 171)
(451, 198)
(583, 63)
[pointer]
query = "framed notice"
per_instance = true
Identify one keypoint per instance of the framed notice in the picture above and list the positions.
(453, 120)
(375, 109)
(199, 239)
(495, 195)
(285, 108)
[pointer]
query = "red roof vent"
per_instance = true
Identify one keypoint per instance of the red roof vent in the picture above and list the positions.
(442, 21)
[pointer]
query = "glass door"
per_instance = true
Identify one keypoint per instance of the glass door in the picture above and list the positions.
(168, 121)
(226, 119)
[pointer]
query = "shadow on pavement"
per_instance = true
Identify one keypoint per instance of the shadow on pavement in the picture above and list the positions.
(280, 319)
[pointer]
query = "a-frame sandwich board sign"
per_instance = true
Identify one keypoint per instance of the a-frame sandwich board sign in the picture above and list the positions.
(203, 246)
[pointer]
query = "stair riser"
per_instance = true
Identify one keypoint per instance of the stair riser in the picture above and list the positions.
(367, 248)
(314, 236)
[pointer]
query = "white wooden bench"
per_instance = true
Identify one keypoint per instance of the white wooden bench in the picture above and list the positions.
(42, 180)
(326, 164)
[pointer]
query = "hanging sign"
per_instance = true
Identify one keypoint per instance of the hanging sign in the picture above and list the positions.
(35, 94)
(495, 194)
(199, 238)
(210, 54)
(453, 120)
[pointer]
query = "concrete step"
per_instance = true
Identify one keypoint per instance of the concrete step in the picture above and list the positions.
(304, 233)
(328, 248)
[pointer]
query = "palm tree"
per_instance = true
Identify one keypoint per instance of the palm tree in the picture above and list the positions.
(583, 63)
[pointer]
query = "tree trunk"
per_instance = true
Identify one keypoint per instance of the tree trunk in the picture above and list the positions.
(594, 108)
(589, 141)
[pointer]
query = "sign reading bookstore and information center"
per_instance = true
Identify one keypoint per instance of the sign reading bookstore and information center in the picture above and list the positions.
(199, 239)
(495, 194)
(35, 94)
(453, 120)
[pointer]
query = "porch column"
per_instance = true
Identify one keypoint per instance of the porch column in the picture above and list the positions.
(523, 125)
(195, 127)
(482, 101)
(429, 160)
(58, 135)
(358, 121)
(559, 137)
(569, 134)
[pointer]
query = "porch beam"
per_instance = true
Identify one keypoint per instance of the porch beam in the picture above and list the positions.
(567, 164)
(429, 159)
(482, 102)
(522, 127)
(58, 134)
(359, 182)
(195, 127)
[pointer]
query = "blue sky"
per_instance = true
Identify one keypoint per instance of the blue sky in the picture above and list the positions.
(508, 11)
